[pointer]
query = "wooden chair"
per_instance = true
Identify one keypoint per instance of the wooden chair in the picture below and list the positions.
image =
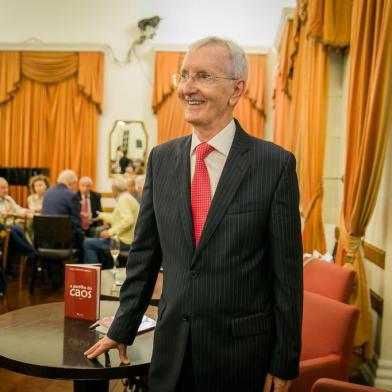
(4, 243)
(53, 237)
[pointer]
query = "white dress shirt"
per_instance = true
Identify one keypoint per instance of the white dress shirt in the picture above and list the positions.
(215, 161)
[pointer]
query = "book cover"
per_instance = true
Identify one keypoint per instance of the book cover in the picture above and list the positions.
(82, 290)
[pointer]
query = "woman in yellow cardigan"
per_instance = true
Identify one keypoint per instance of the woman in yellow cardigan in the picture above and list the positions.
(122, 223)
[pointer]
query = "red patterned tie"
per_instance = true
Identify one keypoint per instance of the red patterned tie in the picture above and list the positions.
(200, 190)
(85, 218)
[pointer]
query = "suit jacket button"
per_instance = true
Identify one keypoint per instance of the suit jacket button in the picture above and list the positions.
(193, 274)
(185, 317)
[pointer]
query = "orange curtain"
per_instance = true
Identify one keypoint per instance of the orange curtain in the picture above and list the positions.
(166, 105)
(301, 100)
(49, 106)
(312, 144)
(252, 108)
(282, 92)
(369, 120)
(250, 111)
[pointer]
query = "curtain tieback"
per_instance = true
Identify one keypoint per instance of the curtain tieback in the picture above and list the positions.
(351, 243)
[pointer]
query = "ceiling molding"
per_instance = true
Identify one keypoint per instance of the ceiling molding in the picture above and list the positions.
(184, 48)
(287, 14)
(34, 44)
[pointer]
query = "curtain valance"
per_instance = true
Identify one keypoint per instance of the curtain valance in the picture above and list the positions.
(52, 67)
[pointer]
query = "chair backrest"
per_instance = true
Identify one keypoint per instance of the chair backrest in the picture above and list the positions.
(328, 279)
(52, 229)
(328, 327)
(329, 385)
(4, 243)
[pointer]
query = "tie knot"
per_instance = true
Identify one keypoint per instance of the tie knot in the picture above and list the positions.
(202, 150)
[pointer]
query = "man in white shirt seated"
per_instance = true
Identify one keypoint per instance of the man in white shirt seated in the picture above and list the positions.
(122, 223)
(19, 245)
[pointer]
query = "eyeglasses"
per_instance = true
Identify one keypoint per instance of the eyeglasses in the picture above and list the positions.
(199, 78)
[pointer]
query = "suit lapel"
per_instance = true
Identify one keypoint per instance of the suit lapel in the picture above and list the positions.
(184, 194)
(233, 172)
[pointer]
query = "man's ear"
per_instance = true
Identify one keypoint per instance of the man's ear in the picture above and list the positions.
(239, 91)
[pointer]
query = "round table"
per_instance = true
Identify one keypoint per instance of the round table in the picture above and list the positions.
(39, 341)
(107, 281)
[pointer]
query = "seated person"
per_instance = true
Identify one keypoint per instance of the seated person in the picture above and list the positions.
(139, 185)
(38, 186)
(90, 203)
(122, 223)
(131, 186)
(61, 200)
(19, 245)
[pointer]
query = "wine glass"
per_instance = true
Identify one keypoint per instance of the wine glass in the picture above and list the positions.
(115, 251)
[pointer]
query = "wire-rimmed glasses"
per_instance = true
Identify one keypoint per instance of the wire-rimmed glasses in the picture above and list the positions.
(199, 78)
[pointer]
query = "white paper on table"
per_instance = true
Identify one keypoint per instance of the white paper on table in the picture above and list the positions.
(103, 325)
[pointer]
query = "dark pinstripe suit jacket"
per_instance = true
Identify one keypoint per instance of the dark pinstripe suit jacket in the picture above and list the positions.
(239, 293)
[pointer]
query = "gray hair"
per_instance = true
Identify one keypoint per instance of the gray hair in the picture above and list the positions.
(86, 179)
(67, 177)
(239, 61)
(120, 184)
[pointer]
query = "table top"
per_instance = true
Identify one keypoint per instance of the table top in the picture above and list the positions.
(107, 280)
(39, 341)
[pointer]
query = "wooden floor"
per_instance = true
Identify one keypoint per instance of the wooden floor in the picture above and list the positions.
(15, 382)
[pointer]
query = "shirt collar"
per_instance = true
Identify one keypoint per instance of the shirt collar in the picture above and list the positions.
(221, 142)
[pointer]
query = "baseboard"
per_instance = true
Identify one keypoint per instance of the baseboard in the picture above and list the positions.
(384, 374)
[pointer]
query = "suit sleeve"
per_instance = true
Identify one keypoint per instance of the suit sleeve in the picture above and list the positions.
(76, 220)
(98, 205)
(142, 268)
(286, 253)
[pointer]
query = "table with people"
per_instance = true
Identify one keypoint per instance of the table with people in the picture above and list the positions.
(92, 228)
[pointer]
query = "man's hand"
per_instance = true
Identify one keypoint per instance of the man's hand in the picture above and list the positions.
(104, 345)
(276, 384)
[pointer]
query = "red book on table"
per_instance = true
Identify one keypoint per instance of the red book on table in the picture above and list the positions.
(82, 290)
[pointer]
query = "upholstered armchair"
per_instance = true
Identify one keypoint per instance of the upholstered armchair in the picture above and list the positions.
(328, 279)
(329, 385)
(327, 340)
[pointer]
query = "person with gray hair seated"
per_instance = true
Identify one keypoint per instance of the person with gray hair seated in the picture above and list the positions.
(122, 223)
(62, 200)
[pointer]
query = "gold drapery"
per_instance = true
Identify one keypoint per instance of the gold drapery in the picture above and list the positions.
(250, 111)
(49, 106)
(282, 92)
(330, 21)
(301, 99)
(314, 101)
(369, 120)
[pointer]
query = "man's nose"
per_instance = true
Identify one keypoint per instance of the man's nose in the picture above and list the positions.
(189, 85)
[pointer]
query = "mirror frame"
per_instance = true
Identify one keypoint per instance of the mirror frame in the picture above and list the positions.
(111, 174)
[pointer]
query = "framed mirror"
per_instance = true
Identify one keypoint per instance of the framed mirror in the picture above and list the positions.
(128, 141)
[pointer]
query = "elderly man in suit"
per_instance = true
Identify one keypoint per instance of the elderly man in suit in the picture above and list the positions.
(90, 204)
(62, 200)
(220, 211)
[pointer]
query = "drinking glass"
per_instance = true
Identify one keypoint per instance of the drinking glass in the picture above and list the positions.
(115, 251)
